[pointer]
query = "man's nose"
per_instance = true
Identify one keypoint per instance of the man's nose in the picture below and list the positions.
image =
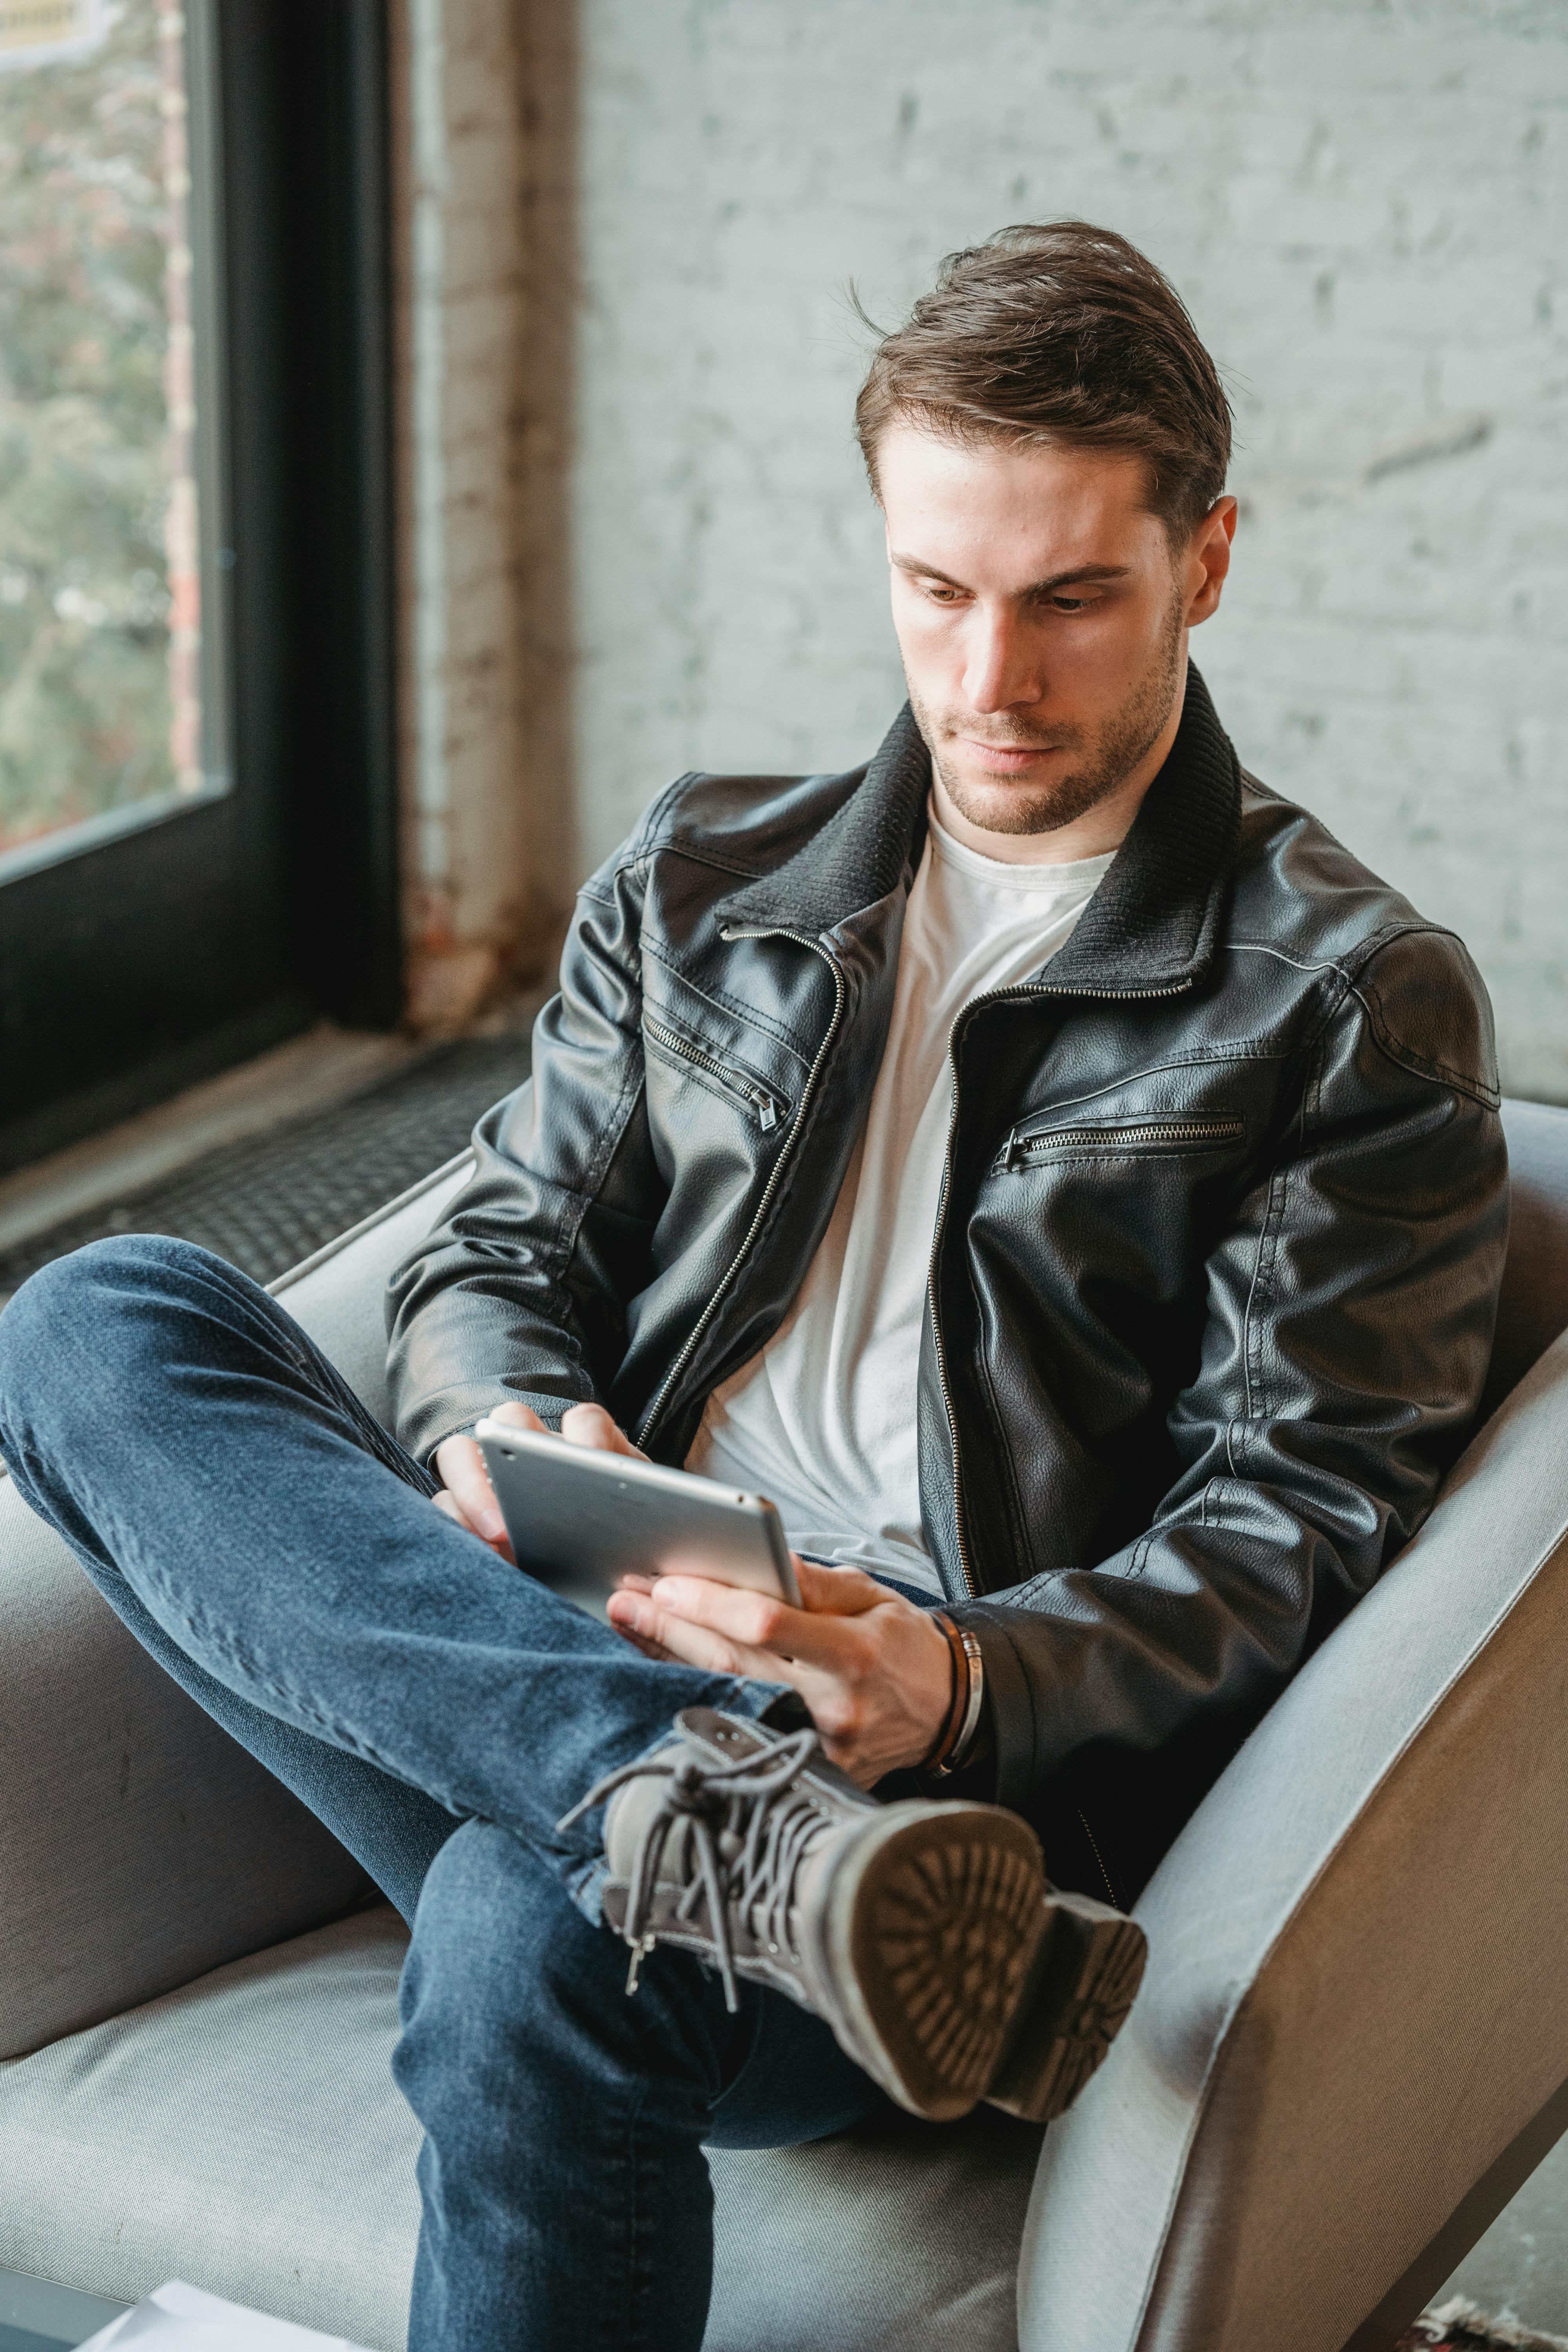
(1001, 666)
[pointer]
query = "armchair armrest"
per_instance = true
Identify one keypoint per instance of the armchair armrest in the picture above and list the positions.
(140, 1845)
(1358, 1990)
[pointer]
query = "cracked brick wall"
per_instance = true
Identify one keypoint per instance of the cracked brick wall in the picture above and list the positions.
(482, 129)
(1364, 200)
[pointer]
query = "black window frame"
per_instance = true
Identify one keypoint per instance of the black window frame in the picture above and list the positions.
(145, 961)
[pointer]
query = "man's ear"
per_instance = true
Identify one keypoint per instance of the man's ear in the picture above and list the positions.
(1209, 560)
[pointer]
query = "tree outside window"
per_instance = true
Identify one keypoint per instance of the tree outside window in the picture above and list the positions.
(100, 589)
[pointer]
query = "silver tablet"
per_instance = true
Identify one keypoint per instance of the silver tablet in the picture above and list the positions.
(580, 1519)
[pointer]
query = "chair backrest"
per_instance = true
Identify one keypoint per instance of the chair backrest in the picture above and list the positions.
(340, 1294)
(1533, 1307)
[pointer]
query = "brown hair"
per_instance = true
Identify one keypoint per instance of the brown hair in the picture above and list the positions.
(1062, 333)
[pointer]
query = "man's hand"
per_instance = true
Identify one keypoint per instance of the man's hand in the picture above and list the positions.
(467, 1494)
(874, 1670)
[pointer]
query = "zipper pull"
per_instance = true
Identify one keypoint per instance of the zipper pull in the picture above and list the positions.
(767, 1113)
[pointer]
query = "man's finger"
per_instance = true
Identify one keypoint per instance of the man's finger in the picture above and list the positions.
(727, 1630)
(757, 1621)
(590, 1424)
(642, 1620)
(447, 1506)
(836, 1591)
(663, 1634)
(517, 1415)
(460, 1467)
(639, 1641)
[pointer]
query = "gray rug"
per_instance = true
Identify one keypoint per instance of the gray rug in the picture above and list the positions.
(267, 1201)
(1460, 2327)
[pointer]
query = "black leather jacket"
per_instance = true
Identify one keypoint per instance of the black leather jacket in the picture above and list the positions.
(1214, 1273)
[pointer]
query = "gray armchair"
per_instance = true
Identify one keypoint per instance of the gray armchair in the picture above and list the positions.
(1352, 2046)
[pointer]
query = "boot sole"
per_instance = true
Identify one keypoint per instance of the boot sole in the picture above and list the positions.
(932, 1930)
(1087, 1973)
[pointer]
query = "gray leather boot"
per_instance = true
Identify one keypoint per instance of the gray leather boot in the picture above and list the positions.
(923, 1933)
(1085, 1979)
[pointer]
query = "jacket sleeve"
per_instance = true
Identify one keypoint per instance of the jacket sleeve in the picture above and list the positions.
(521, 1291)
(1350, 1313)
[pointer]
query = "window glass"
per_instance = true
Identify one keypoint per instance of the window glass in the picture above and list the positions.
(101, 588)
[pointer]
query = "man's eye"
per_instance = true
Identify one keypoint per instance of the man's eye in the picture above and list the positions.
(1072, 603)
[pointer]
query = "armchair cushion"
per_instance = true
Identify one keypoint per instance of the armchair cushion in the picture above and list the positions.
(139, 1845)
(245, 2132)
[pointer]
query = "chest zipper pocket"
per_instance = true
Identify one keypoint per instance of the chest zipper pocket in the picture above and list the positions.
(767, 1107)
(1130, 1135)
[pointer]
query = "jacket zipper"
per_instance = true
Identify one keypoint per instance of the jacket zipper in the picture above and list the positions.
(694, 1337)
(764, 1104)
(1151, 1132)
(1001, 997)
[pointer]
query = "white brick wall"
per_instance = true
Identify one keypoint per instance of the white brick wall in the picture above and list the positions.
(1363, 199)
(459, 271)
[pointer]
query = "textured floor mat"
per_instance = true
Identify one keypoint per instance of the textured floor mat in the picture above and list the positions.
(1460, 2327)
(269, 1201)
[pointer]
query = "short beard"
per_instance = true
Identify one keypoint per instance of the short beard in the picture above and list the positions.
(1109, 755)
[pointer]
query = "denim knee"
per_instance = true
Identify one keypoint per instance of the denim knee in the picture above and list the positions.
(65, 1294)
(64, 1335)
(493, 1918)
(505, 1971)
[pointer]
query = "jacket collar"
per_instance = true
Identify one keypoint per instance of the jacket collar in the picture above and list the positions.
(1151, 924)
(1154, 920)
(860, 855)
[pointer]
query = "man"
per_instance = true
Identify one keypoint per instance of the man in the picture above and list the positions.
(1042, 1160)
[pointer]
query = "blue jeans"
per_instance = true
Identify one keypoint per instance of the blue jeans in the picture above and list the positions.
(280, 1556)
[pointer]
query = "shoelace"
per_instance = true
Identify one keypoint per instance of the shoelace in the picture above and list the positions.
(759, 1881)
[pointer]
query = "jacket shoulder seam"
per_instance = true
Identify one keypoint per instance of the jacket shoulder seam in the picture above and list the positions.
(1350, 969)
(1405, 1056)
(671, 847)
(646, 837)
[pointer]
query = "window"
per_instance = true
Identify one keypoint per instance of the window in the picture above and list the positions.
(197, 801)
(110, 704)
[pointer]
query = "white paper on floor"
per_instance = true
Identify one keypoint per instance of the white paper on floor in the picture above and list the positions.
(181, 2318)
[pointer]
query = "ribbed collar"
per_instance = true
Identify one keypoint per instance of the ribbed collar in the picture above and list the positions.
(1152, 923)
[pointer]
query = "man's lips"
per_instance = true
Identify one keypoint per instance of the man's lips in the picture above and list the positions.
(1009, 759)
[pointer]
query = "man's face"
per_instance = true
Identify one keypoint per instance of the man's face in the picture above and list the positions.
(1043, 616)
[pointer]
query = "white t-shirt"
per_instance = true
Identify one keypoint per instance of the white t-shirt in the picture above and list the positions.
(822, 1421)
